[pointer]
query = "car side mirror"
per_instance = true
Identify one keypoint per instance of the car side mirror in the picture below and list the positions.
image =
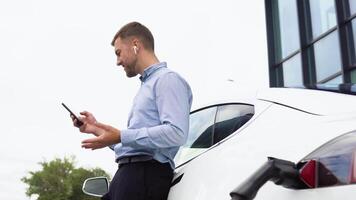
(97, 186)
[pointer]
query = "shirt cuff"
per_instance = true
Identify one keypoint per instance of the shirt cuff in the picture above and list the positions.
(130, 136)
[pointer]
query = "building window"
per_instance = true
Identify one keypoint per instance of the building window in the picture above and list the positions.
(287, 28)
(336, 80)
(292, 72)
(353, 76)
(311, 42)
(327, 57)
(352, 32)
(352, 7)
(323, 16)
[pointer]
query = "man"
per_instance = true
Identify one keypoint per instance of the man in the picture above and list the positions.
(158, 122)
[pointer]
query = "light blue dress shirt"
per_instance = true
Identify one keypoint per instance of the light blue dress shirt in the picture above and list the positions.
(159, 119)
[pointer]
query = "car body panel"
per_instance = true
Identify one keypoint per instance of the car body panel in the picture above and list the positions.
(271, 191)
(313, 101)
(287, 129)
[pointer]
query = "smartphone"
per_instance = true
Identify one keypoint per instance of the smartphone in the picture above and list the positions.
(79, 123)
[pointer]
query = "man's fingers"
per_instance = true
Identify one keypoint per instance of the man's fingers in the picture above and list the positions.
(91, 140)
(85, 113)
(92, 146)
(75, 123)
(89, 117)
(92, 143)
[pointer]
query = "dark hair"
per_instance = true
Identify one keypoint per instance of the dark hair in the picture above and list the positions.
(137, 30)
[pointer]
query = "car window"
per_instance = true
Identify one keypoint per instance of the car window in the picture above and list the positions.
(201, 125)
(211, 125)
(229, 118)
(200, 134)
(201, 128)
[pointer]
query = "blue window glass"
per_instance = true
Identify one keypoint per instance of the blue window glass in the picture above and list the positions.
(323, 16)
(336, 80)
(352, 7)
(352, 32)
(287, 34)
(353, 76)
(292, 72)
(327, 57)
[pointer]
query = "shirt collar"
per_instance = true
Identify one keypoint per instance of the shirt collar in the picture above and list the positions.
(151, 69)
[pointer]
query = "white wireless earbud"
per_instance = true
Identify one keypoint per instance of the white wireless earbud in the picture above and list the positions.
(135, 49)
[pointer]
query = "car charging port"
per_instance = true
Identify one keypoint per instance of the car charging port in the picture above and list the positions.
(281, 172)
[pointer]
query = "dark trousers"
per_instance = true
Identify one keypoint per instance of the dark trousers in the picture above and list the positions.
(148, 180)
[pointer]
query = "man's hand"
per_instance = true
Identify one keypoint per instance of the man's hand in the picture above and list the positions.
(104, 139)
(105, 135)
(86, 117)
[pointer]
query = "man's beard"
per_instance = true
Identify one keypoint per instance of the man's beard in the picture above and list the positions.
(130, 71)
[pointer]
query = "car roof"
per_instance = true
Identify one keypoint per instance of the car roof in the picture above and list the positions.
(313, 101)
(229, 93)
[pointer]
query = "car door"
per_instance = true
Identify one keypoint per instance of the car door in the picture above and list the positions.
(209, 126)
(274, 130)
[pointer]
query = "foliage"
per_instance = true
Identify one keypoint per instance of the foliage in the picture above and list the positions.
(60, 180)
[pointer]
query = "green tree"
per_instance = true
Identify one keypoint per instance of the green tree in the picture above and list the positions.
(59, 179)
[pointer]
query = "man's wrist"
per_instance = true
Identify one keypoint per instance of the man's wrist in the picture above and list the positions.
(118, 136)
(113, 137)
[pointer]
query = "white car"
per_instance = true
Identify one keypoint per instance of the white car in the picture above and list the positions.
(282, 144)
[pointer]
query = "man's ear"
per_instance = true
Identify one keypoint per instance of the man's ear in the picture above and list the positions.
(136, 45)
(136, 42)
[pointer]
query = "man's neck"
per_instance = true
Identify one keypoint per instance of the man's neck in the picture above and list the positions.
(146, 61)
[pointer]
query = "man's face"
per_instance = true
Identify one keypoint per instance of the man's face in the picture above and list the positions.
(125, 56)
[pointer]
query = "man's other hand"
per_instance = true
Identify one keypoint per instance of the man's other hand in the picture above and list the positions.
(104, 138)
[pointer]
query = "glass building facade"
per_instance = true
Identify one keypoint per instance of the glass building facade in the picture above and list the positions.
(311, 42)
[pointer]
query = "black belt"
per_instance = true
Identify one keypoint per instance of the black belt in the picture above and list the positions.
(133, 159)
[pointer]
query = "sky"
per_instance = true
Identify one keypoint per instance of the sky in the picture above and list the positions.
(59, 51)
